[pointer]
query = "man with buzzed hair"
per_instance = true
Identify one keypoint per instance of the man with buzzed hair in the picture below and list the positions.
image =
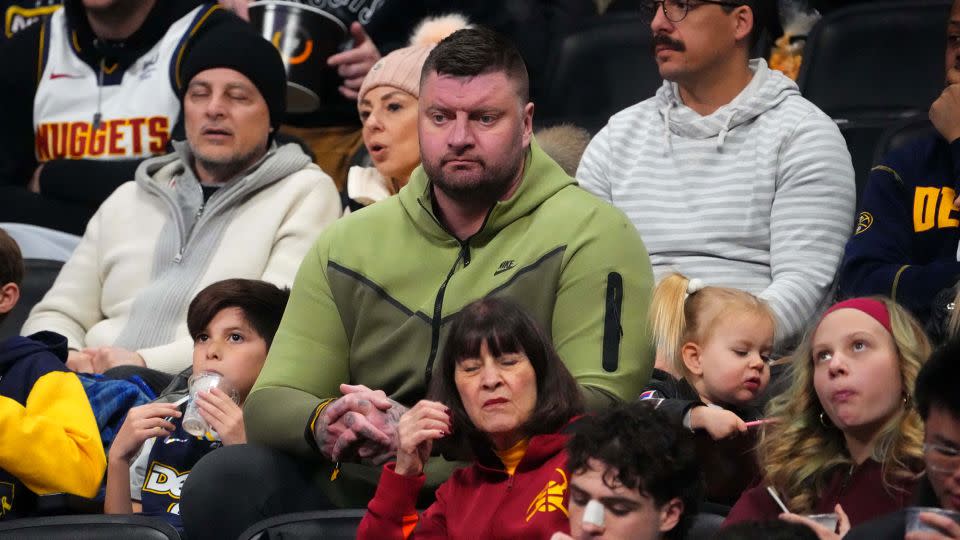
(488, 213)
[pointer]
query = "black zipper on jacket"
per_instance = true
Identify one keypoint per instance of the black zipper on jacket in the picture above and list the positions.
(435, 322)
(464, 256)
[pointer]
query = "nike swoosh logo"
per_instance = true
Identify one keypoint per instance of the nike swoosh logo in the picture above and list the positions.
(504, 269)
(62, 76)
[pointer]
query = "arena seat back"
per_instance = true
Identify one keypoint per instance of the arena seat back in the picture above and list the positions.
(605, 67)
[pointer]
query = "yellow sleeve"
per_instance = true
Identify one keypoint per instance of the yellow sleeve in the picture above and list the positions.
(53, 445)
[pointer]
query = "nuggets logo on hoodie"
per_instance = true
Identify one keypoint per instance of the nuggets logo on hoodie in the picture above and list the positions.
(550, 499)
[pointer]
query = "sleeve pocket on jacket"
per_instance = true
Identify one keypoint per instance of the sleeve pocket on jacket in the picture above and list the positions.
(612, 330)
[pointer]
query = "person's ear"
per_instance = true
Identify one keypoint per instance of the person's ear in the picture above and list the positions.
(744, 21)
(527, 113)
(670, 514)
(9, 296)
(691, 355)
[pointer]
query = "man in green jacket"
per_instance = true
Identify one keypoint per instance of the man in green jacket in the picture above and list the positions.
(487, 214)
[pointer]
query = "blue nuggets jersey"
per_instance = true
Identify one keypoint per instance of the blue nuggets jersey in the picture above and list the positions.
(171, 460)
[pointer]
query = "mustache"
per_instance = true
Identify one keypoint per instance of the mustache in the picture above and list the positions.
(668, 42)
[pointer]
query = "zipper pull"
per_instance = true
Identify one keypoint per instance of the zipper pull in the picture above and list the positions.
(97, 117)
(336, 472)
(179, 257)
(200, 211)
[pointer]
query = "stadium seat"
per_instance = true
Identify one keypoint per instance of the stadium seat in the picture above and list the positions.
(704, 526)
(601, 69)
(869, 140)
(38, 278)
(112, 527)
(324, 524)
(876, 59)
(902, 133)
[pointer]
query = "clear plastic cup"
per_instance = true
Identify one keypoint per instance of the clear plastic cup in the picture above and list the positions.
(913, 518)
(827, 520)
(193, 422)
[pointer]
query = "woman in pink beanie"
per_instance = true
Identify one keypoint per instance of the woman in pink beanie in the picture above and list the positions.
(388, 109)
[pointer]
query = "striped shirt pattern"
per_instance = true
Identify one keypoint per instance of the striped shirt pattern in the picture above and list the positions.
(758, 195)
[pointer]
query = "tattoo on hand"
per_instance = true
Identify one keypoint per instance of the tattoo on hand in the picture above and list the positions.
(394, 414)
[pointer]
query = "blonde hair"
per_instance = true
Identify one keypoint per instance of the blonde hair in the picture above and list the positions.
(678, 317)
(798, 454)
(953, 323)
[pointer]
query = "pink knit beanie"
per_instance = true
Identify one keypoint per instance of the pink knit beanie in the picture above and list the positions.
(401, 68)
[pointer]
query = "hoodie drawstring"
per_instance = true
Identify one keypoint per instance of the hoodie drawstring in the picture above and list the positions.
(726, 129)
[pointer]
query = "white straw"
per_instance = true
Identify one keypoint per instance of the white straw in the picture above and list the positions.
(773, 493)
(181, 401)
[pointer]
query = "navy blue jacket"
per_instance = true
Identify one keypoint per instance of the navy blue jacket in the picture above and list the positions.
(49, 441)
(905, 245)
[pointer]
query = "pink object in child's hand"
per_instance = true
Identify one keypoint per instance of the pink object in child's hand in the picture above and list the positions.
(760, 422)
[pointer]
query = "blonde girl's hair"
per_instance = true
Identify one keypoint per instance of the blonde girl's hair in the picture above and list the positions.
(953, 325)
(678, 317)
(799, 454)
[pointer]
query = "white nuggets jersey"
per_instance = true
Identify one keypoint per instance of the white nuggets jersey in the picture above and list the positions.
(107, 113)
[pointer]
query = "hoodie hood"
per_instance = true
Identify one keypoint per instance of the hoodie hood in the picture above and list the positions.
(542, 178)
(172, 178)
(19, 348)
(768, 89)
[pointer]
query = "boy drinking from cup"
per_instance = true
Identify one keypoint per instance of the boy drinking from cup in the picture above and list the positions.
(232, 323)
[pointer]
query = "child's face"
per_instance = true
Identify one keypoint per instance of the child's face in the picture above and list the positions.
(733, 366)
(231, 347)
(856, 371)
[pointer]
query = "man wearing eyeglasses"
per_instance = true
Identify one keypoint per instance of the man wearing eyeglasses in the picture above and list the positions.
(938, 402)
(728, 173)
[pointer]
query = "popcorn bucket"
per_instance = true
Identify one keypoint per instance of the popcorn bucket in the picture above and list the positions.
(307, 32)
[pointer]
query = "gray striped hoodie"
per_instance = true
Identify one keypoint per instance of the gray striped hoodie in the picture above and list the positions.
(758, 195)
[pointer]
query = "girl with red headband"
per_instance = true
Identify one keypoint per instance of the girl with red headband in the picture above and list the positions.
(848, 439)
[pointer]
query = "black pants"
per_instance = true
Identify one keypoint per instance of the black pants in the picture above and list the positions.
(236, 486)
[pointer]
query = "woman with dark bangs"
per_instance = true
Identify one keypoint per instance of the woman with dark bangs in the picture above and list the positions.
(501, 393)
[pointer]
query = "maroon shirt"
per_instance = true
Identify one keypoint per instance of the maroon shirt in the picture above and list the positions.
(478, 501)
(860, 492)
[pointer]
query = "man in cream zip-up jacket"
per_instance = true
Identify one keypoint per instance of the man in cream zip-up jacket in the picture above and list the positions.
(228, 203)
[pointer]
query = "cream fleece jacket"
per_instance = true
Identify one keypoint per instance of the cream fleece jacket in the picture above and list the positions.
(267, 232)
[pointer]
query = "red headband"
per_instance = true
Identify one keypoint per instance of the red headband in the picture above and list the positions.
(873, 308)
